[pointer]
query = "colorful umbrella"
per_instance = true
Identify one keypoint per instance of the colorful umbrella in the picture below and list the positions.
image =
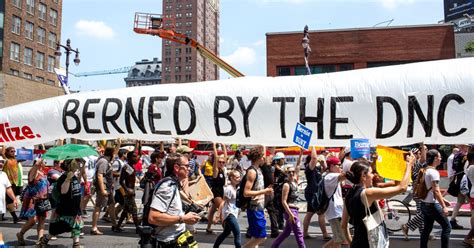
(70, 151)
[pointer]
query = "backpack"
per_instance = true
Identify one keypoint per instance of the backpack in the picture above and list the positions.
(320, 202)
(458, 162)
(465, 186)
(147, 199)
(420, 190)
(278, 191)
(241, 201)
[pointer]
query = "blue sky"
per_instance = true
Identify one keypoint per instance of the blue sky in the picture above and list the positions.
(103, 29)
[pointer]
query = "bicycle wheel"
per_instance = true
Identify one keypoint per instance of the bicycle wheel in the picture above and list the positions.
(396, 214)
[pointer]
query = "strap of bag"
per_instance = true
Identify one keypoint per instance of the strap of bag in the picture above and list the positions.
(367, 207)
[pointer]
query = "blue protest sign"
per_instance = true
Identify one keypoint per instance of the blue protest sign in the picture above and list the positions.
(302, 136)
(24, 154)
(360, 148)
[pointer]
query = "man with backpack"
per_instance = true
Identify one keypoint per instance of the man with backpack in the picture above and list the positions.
(251, 196)
(454, 189)
(332, 189)
(166, 209)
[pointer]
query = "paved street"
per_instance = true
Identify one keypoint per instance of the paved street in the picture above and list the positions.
(130, 239)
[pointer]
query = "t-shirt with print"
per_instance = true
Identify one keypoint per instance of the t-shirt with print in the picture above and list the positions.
(431, 175)
(103, 167)
(167, 200)
(4, 185)
(230, 196)
(69, 203)
(259, 200)
(332, 186)
(117, 166)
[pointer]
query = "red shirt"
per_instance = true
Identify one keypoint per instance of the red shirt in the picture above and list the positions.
(158, 175)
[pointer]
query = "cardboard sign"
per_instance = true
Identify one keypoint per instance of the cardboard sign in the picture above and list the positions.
(302, 136)
(391, 163)
(360, 148)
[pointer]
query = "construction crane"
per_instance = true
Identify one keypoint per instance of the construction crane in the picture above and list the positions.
(155, 24)
(125, 69)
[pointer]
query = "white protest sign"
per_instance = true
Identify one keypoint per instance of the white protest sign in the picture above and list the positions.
(396, 105)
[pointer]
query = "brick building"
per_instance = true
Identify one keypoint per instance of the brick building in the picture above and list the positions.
(198, 19)
(347, 49)
(28, 39)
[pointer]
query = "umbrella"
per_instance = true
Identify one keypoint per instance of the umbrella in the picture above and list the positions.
(70, 151)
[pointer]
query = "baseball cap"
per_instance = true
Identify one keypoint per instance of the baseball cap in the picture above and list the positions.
(278, 155)
(333, 161)
(183, 149)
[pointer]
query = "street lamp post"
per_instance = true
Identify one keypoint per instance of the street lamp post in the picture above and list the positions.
(306, 48)
(69, 50)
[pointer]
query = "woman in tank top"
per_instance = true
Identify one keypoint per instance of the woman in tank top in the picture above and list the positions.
(218, 183)
(361, 176)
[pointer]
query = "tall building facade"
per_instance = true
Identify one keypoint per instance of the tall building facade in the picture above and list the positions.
(198, 19)
(144, 72)
(28, 35)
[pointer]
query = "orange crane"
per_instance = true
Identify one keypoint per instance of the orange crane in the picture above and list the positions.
(155, 24)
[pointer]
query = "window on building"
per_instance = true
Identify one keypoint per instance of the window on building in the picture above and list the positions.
(189, 24)
(167, 78)
(177, 69)
(284, 71)
(40, 60)
(42, 11)
(53, 17)
(177, 78)
(188, 15)
(177, 60)
(30, 6)
(14, 72)
(29, 30)
(17, 3)
(28, 56)
(177, 51)
(167, 42)
(16, 25)
(188, 50)
(51, 62)
(189, 6)
(52, 40)
(188, 32)
(179, 6)
(322, 69)
(346, 67)
(188, 59)
(40, 79)
(179, 15)
(167, 69)
(168, 51)
(15, 51)
(187, 68)
(188, 77)
(50, 82)
(27, 75)
(168, 7)
(41, 35)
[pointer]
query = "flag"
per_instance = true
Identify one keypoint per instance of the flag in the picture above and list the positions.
(63, 79)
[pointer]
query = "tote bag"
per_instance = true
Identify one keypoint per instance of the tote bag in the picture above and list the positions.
(377, 233)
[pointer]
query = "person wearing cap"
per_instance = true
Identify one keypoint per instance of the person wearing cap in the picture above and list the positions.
(289, 198)
(332, 188)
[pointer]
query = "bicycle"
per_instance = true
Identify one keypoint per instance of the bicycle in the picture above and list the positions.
(396, 214)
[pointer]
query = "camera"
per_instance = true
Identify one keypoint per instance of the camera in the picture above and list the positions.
(191, 208)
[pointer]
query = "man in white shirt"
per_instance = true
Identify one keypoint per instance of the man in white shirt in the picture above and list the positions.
(332, 187)
(433, 206)
(449, 163)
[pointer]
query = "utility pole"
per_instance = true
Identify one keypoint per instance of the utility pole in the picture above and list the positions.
(306, 48)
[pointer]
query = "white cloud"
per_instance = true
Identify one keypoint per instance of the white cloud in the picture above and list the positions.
(259, 43)
(393, 4)
(94, 29)
(241, 56)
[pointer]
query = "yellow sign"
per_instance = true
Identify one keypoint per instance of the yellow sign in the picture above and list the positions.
(391, 163)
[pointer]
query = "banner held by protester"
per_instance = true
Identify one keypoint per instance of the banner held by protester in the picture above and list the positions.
(396, 105)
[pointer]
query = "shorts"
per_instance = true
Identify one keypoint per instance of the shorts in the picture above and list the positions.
(118, 197)
(218, 191)
(337, 234)
(257, 223)
(130, 206)
(104, 201)
(309, 199)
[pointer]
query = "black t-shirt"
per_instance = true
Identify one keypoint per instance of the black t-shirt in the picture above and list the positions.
(70, 203)
(267, 175)
(313, 177)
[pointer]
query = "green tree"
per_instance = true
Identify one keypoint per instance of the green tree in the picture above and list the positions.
(470, 47)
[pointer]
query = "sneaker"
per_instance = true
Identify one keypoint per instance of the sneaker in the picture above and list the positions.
(53, 238)
(455, 225)
(21, 239)
(42, 242)
(405, 231)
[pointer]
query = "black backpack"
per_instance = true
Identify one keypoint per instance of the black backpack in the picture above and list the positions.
(148, 198)
(278, 191)
(458, 162)
(320, 202)
(243, 202)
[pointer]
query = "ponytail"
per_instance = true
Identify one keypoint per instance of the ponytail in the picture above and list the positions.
(357, 170)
